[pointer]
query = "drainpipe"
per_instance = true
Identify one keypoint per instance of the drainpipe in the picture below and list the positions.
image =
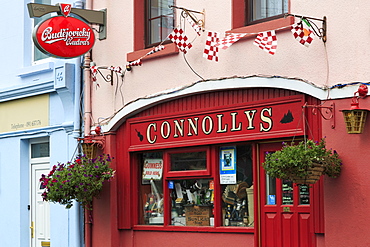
(87, 114)
(77, 131)
(87, 124)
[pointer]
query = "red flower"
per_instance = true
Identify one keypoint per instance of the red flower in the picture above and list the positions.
(78, 161)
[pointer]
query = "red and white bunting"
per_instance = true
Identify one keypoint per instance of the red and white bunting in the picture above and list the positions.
(211, 49)
(155, 49)
(229, 40)
(267, 41)
(195, 26)
(94, 71)
(135, 63)
(179, 38)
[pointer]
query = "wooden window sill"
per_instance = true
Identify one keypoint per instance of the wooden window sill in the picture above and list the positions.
(253, 30)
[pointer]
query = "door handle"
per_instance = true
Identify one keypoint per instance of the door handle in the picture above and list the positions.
(32, 227)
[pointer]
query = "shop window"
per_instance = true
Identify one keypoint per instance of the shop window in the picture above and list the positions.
(204, 187)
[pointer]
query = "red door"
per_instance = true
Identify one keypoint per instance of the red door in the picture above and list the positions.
(286, 218)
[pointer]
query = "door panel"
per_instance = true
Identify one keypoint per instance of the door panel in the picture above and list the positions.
(40, 210)
(286, 219)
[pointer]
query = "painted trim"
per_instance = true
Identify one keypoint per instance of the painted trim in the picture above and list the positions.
(36, 69)
(27, 91)
(225, 84)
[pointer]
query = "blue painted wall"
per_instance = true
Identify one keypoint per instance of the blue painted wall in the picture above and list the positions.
(21, 78)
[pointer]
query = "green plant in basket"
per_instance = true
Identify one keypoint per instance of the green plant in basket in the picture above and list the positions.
(297, 162)
(81, 180)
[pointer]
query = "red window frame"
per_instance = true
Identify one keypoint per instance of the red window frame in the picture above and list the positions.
(193, 173)
(212, 172)
(139, 37)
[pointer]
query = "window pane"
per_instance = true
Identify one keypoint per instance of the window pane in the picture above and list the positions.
(287, 192)
(155, 35)
(151, 188)
(192, 202)
(238, 199)
(40, 150)
(188, 161)
(37, 54)
(160, 21)
(304, 194)
(261, 9)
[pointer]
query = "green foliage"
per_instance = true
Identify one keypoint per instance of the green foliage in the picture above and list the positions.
(81, 180)
(294, 160)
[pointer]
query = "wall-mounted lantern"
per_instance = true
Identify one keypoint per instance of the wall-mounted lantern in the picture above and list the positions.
(355, 117)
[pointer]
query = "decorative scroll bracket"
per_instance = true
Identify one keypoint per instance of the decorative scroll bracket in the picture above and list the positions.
(188, 12)
(320, 32)
(326, 112)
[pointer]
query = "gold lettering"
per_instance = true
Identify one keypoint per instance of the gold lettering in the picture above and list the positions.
(266, 119)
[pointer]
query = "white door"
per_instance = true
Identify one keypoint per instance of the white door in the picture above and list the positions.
(39, 209)
(40, 212)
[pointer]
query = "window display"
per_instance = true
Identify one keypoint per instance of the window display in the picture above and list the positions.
(185, 187)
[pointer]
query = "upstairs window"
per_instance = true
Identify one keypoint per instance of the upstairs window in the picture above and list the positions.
(265, 10)
(159, 21)
(37, 54)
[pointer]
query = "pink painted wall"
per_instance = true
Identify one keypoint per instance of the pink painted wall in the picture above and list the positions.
(347, 199)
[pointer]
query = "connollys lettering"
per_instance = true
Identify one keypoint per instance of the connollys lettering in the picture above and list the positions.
(209, 124)
(240, 122)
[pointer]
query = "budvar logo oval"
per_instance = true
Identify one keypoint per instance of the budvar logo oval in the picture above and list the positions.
(63, 37)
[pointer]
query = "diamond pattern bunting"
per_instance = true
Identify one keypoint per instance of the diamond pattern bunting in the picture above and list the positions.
(179, 38)
(267, 41)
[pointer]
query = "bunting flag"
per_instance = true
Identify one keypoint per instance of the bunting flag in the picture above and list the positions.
(135, 63)
(195, 26)
(94, 71)
(179, 38)
(267, 41)
(211, 48)
(229, 40)
(155, 49)
(302, 32)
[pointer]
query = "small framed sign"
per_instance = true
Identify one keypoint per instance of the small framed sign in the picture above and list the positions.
(228, 165)
(153, 169)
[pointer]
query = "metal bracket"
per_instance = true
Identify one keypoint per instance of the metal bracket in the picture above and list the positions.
(187, 12)
(90, 16)
(327, 114)
(320, 32)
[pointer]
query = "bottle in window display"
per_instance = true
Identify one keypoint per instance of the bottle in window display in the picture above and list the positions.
(228, 215)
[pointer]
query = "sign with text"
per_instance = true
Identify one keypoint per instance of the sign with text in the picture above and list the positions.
(228, 165)
(23, 114)
(63, 37)
(153, 169)
(249, 121)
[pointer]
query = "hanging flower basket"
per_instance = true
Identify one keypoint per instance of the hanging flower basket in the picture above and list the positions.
(303, 163)
(80, 180)
(313, 174)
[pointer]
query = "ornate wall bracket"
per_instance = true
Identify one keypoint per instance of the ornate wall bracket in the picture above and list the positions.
(326, 112)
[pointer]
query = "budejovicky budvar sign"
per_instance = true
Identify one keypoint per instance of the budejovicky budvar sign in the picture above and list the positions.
(64, 36)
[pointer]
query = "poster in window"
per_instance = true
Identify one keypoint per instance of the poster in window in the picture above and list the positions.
(228, 165)
(152, 169)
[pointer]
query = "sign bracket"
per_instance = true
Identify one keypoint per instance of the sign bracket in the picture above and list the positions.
(90, 16)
